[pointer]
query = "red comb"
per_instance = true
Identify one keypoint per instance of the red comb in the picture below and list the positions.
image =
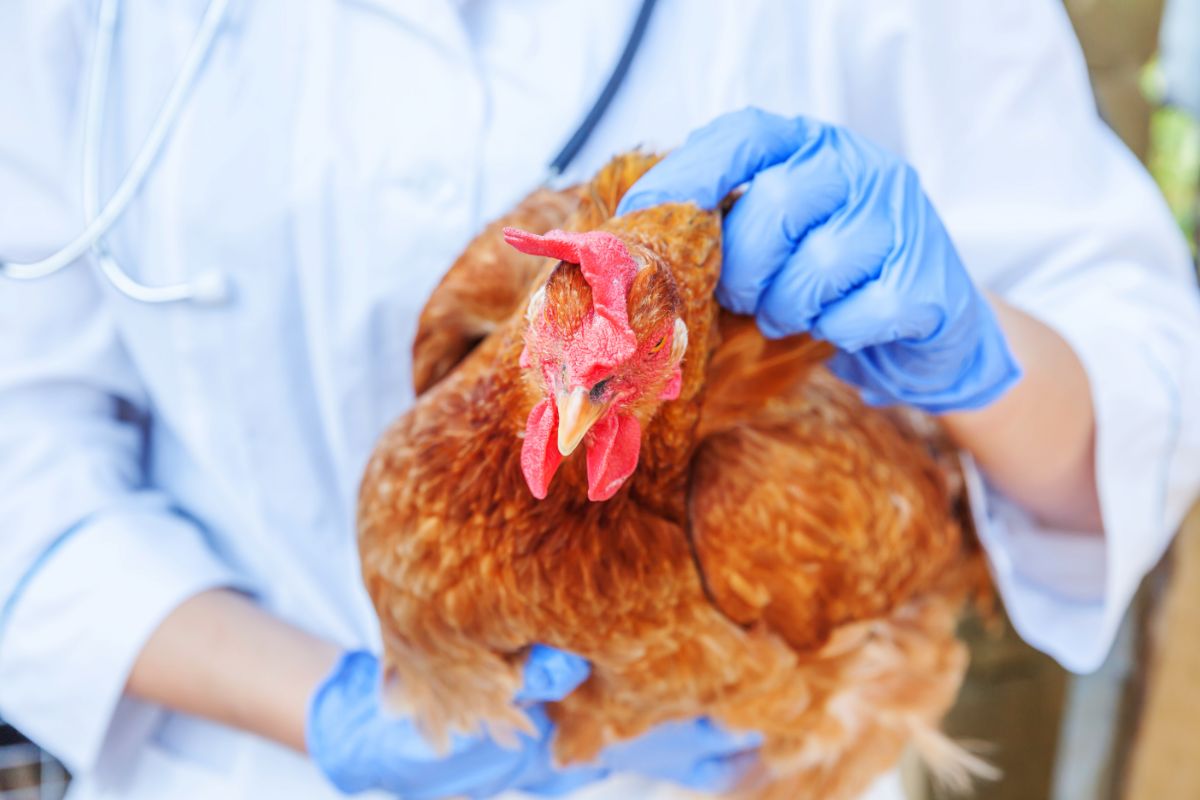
(607, 267)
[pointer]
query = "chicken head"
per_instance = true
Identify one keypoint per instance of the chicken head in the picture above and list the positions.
(603, 346)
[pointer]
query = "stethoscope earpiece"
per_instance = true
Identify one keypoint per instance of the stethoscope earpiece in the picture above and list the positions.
(211, 288)
(99, 221)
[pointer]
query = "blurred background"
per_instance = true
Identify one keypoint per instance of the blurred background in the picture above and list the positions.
(1128, 731)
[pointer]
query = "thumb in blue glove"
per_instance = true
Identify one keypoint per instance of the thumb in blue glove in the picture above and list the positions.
(835, 236)
(697, 754)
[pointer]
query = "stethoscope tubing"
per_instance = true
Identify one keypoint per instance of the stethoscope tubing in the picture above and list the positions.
(571, 149)
(147, 154)
(209, 287)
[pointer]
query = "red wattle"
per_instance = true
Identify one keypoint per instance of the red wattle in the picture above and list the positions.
(612, 454)
(539, 452)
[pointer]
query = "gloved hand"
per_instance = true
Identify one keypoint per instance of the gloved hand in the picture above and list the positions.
(696, 754)
(835, 236)
(359, 746)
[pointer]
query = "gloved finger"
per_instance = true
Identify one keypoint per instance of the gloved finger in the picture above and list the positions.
(707, 738)
(550, 675)
(478, 766)
(718, 158)
(534, 770)
(769, 221)
(482, 772)
(558, 782)
(718, 775)
(832, 261)
(674, 747)
(877, 313)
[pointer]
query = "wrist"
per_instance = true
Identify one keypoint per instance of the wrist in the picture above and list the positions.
(1036, 443)
(987, 370)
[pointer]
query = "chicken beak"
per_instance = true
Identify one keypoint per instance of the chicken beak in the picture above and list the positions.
(576, 416)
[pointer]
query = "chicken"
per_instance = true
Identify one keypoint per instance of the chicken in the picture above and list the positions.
(741, 538)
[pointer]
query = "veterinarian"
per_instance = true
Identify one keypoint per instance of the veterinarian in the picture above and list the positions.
(188, 398)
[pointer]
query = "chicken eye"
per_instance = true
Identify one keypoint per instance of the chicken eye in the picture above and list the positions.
(597, 391)
(659, 344)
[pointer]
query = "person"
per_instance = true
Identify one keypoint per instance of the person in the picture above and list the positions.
(929, 187)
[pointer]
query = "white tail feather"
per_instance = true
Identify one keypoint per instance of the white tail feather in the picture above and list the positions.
(954, 765)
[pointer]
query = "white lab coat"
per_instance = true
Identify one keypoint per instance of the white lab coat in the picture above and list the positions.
(333, 159)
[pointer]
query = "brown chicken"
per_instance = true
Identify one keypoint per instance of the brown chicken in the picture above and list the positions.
(742, 538)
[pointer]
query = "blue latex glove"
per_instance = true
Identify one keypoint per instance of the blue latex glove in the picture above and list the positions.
(835, 236)
(697, 754)
(359, 746)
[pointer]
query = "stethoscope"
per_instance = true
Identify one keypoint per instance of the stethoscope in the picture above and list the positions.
(212, 287)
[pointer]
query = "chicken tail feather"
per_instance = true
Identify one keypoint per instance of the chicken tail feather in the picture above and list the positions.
(954, 764)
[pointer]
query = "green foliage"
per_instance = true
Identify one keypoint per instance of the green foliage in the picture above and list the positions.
(1175, 164)
(1175, 157)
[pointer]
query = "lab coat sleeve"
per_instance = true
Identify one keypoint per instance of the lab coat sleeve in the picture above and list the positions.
(92, 559)
(991, 103)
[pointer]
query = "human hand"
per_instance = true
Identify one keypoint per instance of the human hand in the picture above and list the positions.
(696, 754)
(834, 236)
(359, 746)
